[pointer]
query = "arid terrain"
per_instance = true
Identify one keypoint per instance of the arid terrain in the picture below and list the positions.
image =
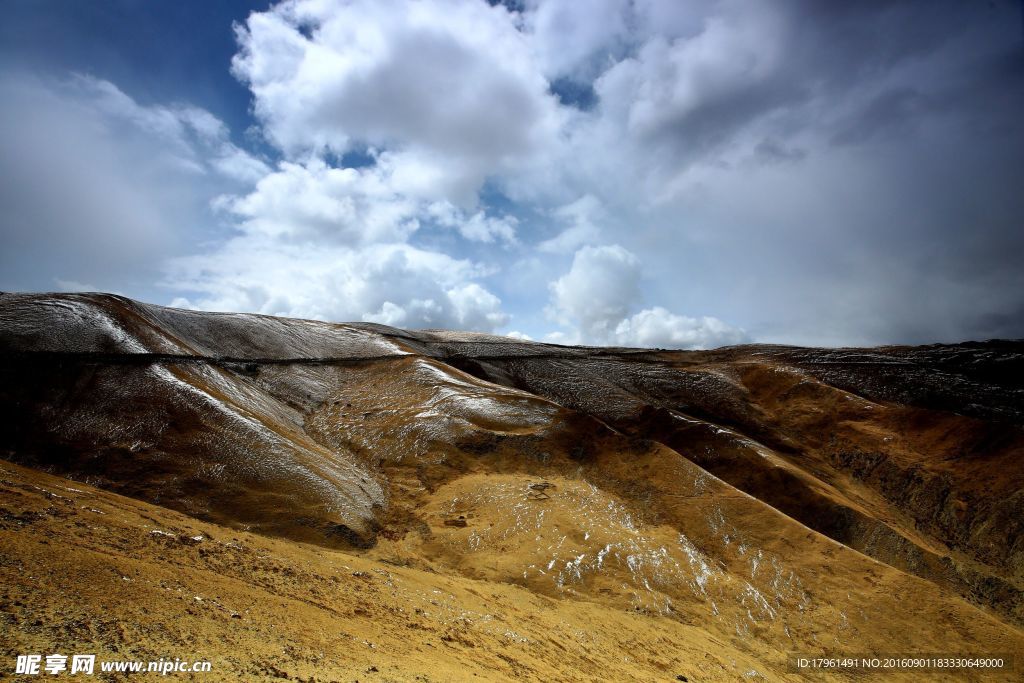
(310, 501)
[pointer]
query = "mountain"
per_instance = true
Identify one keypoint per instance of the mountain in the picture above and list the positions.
(642, 513)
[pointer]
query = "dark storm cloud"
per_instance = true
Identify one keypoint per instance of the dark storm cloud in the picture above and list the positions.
(892, 112)
(922, 57)
(903, 119)
(771, 151)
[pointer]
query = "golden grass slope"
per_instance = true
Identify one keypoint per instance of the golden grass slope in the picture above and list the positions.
(87, 571)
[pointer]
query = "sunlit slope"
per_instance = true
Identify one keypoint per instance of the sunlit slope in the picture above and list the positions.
(86, 570)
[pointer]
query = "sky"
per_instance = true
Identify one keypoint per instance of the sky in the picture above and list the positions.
(648, 173)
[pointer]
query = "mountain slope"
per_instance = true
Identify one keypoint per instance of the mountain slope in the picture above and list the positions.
(776, 499)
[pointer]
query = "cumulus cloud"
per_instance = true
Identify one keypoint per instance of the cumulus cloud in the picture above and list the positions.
(476, 308)
(311, 200)
(573, 39)
(453, 85)
(393, 284)
(595, 296)
(658, 328)
(319, 241)
(598, 291)
(437, 96)
(478, 227)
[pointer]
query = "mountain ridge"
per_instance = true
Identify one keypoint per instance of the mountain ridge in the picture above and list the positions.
(678, 478)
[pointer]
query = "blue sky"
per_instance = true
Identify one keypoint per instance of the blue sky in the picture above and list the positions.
(647, 173)
(158, 51)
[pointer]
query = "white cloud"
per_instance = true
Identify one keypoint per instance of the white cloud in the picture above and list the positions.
(598, 291)
(595, 297)
(478, 227)
(581, 216)
(452, 84)
(564, 338)
(442, 95)
(658, 328)
(393, 284)
(311, 200)
(476, 308)
(238, 164)
(572, 37)
(332, 243)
